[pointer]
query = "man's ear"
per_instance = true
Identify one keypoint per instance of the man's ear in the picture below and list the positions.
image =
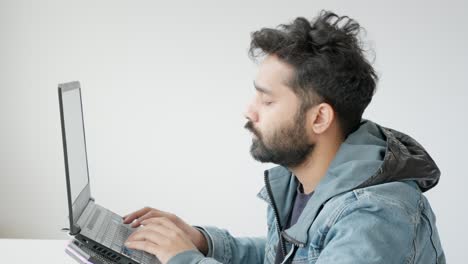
(322, 117)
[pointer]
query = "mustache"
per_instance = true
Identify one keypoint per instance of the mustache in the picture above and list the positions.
(249, 126)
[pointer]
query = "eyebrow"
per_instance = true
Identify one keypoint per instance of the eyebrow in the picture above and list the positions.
(262, 90)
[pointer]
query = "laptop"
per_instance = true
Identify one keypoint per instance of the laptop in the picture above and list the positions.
(95, 226)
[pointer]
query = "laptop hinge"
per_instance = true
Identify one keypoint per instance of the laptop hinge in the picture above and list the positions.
(75, 230)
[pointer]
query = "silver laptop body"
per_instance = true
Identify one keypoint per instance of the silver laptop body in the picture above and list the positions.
(95, 226)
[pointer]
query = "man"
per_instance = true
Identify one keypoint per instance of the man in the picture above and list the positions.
(346, 190)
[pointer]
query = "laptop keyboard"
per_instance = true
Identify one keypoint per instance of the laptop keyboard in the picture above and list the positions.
(108, 229)
(115, 237)
(93, 219)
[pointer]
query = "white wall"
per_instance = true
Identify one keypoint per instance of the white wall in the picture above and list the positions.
(164, 89)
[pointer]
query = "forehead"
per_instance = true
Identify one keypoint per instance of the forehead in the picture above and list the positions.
(274, 74)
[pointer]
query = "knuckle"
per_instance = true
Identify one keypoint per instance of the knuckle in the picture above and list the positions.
(172, 216)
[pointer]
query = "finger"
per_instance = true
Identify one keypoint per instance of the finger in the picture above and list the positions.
(151, 214)
(135, 214)
(159, 224)
(132, 235)
(168, 231)
(146, 246)
(152, 235)
(164, 226)
(164, 221)
(140, 218)
(130, 217)
(125, 216)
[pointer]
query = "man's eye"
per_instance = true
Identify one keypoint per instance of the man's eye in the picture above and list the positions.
(267, 103)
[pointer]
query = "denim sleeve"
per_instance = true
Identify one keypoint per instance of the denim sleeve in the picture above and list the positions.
(370, 232)
(223, 248)
(227, 249)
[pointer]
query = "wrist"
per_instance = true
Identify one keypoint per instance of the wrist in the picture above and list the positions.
(200, 241)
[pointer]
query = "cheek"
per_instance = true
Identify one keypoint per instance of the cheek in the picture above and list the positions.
(268, 125)
(271, 113)
(273, 116)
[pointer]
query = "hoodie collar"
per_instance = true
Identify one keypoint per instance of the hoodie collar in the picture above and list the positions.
(369, 156)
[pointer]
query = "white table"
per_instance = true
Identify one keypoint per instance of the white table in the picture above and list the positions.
(34, 251)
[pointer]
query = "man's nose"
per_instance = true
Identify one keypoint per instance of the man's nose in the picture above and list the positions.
(250, 114)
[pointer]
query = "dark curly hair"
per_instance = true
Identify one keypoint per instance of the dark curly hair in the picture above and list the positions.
(329, 63)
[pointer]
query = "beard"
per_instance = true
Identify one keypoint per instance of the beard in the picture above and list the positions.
(288, 146)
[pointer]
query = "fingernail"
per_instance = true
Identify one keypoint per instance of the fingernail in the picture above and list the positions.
(127, 243)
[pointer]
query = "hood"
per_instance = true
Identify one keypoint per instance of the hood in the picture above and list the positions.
(370, 155)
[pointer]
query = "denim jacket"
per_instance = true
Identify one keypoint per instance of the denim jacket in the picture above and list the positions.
(368, 208)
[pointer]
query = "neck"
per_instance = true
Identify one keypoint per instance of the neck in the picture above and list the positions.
(313, 169)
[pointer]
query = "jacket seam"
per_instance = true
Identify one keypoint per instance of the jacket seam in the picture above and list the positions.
(412, 257)
(337, 215)
(389, 201)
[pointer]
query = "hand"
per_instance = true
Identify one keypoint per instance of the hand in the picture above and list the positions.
(161, 237)
(197, 238)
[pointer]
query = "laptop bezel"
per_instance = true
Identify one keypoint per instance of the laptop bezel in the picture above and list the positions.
(75, 208)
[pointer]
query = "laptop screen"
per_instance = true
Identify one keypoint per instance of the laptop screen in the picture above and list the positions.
(76, 148)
